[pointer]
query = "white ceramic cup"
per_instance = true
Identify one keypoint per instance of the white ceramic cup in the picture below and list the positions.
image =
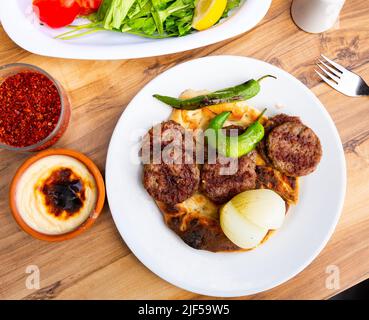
(316, 16)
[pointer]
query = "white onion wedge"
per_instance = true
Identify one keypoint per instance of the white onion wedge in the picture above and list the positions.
(263, 207)
(239, 229)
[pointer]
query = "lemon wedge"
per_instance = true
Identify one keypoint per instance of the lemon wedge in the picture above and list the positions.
(208, 13)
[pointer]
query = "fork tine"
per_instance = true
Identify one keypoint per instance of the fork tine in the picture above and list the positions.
(333, 70)
(331, 75)
(326, 80)
(334, 64)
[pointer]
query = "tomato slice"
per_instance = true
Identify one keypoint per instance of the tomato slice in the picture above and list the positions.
(89, 6)
(56, 13)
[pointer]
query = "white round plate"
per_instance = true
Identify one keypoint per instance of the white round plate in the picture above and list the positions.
(308, 225)
(24, 29)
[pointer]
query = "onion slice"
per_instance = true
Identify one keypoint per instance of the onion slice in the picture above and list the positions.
(263, 207)
(239, 229)
(248, 217)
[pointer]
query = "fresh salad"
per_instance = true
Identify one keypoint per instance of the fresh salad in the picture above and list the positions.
(148, 18)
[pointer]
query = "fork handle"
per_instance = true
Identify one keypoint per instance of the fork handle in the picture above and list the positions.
(363, 90)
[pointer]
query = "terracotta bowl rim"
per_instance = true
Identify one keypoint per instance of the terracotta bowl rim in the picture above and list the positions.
(93, 215)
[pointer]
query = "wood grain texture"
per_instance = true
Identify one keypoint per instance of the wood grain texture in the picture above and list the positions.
(98, 264)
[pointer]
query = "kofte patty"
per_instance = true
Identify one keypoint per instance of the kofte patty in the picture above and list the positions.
(294, 149)
(220, 183)
(175, 177)
(168, 142)
(270, 124)
(166, 131)
(171, 183)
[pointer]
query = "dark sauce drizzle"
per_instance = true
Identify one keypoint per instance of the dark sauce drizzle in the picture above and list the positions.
(64, 192)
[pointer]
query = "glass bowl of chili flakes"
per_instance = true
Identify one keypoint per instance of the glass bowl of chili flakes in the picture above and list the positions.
(34, 108)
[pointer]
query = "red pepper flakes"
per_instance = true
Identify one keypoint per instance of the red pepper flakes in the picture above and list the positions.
(30, 108)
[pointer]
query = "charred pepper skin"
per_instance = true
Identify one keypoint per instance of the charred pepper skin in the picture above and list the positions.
(240, 92)
(234, 147)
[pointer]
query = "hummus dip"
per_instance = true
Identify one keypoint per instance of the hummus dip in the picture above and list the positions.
(56, 194)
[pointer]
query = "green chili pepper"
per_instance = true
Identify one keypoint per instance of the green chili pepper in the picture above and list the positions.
(234, 147)
(241, 92)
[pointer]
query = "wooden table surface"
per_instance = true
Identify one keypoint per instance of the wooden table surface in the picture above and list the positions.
(98, 264)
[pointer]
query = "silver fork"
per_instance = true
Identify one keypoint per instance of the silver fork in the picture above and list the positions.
(342, 79)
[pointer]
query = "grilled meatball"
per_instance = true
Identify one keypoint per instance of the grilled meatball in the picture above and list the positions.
(294, 149)
(159, 137)
(270, 124)
(171, 183)
(175, 177)
(219, 186)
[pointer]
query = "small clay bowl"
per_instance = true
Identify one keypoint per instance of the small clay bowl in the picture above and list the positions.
(93, 215)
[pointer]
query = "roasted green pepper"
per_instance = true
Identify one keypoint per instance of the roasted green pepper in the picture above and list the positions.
(241, 92)
(234, 147)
